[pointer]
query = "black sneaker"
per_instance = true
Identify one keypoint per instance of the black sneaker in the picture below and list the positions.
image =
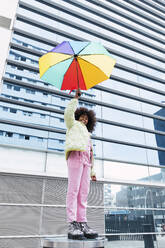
(74, 231)
(88, 232)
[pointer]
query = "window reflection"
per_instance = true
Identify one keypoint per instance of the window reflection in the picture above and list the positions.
(132, 209)
(121, 101)
(132, 196)
(122, 116)
(128, 221)
(124, 153)
(120, 86)
(156, 97)
(160, 139)
(123, 171)
(123, 134)
(124, 74)
(151, 83)
(157, 175)
(30, 43)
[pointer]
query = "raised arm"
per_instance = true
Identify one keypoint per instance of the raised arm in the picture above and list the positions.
(70, 110)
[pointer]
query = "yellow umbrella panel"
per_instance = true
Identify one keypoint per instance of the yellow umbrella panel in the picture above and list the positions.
(95, 68)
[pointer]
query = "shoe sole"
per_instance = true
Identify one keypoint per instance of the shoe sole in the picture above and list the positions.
(90, 236)
(76, 237)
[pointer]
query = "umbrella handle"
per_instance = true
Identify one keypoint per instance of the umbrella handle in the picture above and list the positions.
(78, 92)
(77, 74)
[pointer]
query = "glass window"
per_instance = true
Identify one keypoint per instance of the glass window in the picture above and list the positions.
(21, 136)
(122, 116)
(121, 101)
(5, 109)
(30, 91)
(125, 74)
(24, 44)
(27, 113)
(122, 134)
(120, 86)
(17, 88)
(11, 76)
(18, 78)
(23, 58)
(27, 100)
(153, 109)
(157, 175)
(124, 152)
(133, 196)
(155, 140)
(15, 98)
(30, 42)
(20, 68)
(1, 133)
(123, 171)
(42, 116)
(9, 134)
(40, 139)
(17, 57)
(45, 94)
(61, 120)
(134, 136)
(27, 137)
(12, 110)
(131, 222)
(9, 86)
(156, 157)
(151, 83)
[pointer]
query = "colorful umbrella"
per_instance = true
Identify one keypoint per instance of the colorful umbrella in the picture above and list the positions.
(75, 64)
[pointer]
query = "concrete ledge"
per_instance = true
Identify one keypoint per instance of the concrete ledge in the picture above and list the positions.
(68, 243)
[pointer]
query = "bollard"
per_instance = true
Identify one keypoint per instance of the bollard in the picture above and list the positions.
(148, 238)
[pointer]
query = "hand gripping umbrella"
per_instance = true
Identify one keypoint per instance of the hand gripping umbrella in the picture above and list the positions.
(75, 64)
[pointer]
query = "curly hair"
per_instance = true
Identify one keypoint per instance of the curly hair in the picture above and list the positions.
(91, 117)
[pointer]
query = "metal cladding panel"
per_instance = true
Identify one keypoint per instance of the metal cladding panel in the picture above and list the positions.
(96, 219)
(55, 191)
(20, 189)
(96, 194)
(19, 220)
(20, 243)
(54, 221)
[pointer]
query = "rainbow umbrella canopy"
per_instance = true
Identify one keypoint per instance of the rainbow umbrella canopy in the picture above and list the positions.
(75, 64)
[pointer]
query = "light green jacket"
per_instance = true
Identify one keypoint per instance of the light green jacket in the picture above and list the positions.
(77, 135)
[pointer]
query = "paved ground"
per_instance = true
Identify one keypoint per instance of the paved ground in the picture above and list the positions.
(135, 244)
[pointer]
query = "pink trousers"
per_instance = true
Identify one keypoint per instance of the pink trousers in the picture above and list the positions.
(78, 185)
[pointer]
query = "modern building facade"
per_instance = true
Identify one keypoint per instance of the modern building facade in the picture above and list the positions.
(129, 142)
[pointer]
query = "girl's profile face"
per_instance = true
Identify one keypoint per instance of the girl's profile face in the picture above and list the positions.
(84, 119)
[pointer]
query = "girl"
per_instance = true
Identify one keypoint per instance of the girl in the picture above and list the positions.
(79, 156)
